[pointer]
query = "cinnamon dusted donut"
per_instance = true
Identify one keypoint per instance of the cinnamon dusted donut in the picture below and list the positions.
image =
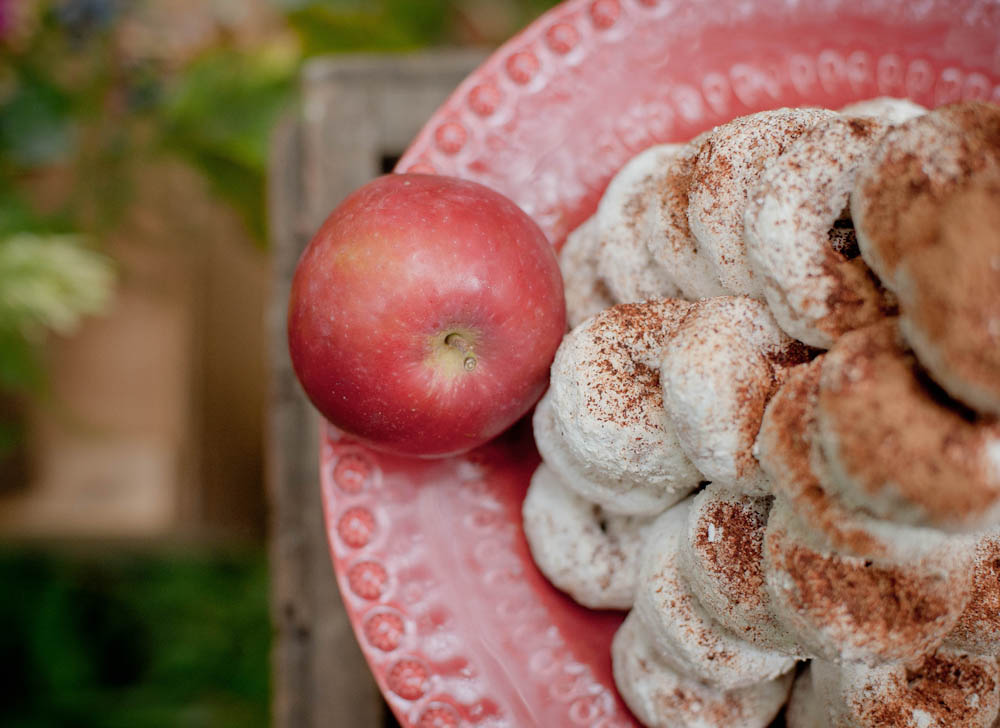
(586, 291)
(844, 584)
(634, 497)
(840, 606)
(788, 453)
(978, 629)
(896, 199)
(623, 260)
(785, 449)
(590, 555)
(726, 167)
(805, 709)
(668, 235)
(661, 697)
(944, 689)
(604, 428)
(886, 109)
(722, 559)
(949, 297)
(894, 446)
(815, 291)
(721, 366)
(680, 630)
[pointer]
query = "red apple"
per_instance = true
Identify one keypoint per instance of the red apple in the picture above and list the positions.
(425, 313)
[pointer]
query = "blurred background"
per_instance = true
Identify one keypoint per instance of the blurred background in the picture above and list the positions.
(134, 271)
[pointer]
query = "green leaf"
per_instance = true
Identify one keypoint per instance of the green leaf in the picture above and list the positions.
(219, 116)
(382, 26)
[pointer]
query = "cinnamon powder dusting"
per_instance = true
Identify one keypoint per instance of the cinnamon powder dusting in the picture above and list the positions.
(902, 193)
(623, 387)
(941, 685)
(893, 433)
(951, 290)
(736, 558)
(982, 615)
(787, 434)
(876, 604)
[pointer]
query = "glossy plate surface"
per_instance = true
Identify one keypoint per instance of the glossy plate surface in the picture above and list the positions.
(458, 626)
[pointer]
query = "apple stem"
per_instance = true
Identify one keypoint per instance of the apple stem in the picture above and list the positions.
(458, 341)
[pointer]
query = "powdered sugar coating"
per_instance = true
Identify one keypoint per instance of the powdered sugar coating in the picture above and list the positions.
(590, 555)
(943, 689)
(978, 629)
(680, 629)
(668, 235)
(661, 697)
(623, 260)
(586, 292)
(726, 167)
(890, 441)
(896, 199)
(842, 607)
(886, 109)
(815, 292)
(607, 404)
(784, 449)
(722, 560)
(580, 475)
(717, 373)
(949, 296)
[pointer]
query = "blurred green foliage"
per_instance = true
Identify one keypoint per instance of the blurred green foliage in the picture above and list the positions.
(121, 641)
(219, 115)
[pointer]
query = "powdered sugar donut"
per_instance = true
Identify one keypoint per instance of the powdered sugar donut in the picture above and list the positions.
(722, 560)
(815, 292)
(896, 199)
(845, 607)
(623, 260)
(660, 697)
(668, 235)
(797, 472)
(609, 422)
(726, 167)
(886, 109)
(890, 442)
(784, 449)
(680, 629)
(949, 297)
(805, 709)
(586, 553)
(978, 629)
(944, 689)
(586, 291)
(613, 496)
(721, 367)
(844, 584)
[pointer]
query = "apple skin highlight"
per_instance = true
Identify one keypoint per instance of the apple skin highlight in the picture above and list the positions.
(424, 314)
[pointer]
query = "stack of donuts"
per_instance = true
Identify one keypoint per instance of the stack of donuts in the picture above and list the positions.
(772, 431)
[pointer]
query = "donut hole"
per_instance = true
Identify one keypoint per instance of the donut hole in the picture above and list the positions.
(600, 518)
(842, 237)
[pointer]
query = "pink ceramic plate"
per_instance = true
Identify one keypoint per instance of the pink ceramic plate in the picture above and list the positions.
(457, 625)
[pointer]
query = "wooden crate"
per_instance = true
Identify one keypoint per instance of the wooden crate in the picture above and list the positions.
(357, 115)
